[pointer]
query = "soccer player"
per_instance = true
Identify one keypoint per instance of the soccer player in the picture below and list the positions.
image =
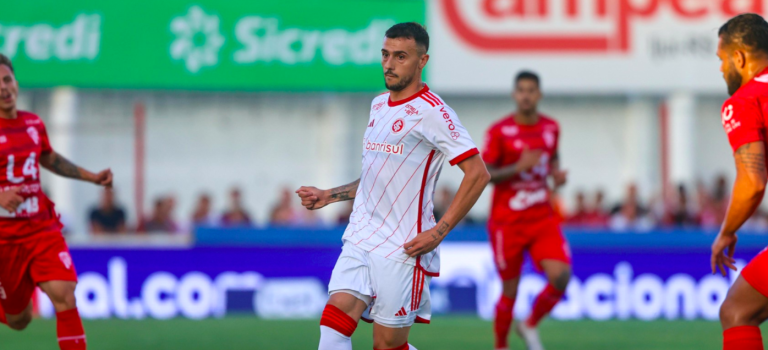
(390, 249)
(32, 250)
(743, 51)
(521, 154)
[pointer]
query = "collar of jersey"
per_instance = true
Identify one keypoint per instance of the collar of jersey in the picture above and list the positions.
(409, 99)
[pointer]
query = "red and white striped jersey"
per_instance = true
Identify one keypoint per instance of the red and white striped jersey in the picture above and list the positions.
(22, 141)
(404, 149)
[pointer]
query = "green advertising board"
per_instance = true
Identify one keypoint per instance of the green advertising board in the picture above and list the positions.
(307, 45)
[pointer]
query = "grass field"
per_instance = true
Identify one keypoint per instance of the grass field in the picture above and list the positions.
(445, 333)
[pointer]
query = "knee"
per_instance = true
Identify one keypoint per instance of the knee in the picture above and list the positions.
(561, 279)
(20, 322)
(734, 315)
(64, 296)
(509, 289)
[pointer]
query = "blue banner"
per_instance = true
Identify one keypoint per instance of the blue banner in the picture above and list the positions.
(646, 277)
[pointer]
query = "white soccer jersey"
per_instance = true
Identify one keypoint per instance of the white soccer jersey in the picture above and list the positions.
(404, 148)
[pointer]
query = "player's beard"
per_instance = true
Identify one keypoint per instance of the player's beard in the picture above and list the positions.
(400, 85)
(733, 79)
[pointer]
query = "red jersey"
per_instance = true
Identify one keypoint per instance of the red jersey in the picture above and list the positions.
(743, 114)
(525, 197)
(22, 141)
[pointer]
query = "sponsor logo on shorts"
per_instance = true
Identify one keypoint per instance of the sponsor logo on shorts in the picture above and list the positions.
(66, 259)
(3, 139)
(384, 147)
(2, 292)
(401, 313)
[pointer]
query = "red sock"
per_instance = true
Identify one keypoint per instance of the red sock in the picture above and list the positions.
(338, 320)
(544, 303)
(401, 347)
(742, 338)
(503, 321)
(70, 331)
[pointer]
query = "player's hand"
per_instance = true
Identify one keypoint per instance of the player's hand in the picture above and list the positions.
(104, 178)
(424, 243)
(312, 198)
(719, 258)
(10, 200)
(528, 159)
(560, 177)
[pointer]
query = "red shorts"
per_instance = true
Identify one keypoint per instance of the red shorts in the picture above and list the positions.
(26, 263)
(756, 272)
(543, 240)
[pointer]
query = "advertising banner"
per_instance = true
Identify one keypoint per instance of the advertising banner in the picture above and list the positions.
(610, 282)
(204, 45)
(580, 46)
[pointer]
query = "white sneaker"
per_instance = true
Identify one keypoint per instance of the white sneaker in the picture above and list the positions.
(530, 335)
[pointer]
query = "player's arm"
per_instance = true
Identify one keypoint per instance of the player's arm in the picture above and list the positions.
(313, 198)
(559, 176)
(476, 177)
(59, 165)
(748, 191)
(528, 159)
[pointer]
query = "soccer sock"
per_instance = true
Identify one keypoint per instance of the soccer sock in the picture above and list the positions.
(336, 328)
(70, 331)
(405, 346)
(544, 303)
(503, 321)
(742, 338)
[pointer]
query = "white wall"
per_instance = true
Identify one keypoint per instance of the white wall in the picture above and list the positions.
(212, 141)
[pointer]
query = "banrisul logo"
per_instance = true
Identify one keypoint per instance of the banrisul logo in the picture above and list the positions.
(198, 39)
(78, 39)
(259, 40)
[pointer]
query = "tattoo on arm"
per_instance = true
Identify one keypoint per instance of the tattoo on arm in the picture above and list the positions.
(752, 158)
(61, 166)
(443, 229)
(346, 192)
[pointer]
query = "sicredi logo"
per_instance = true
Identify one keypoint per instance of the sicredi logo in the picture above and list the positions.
(76, 40)
(200, 39)
(589, 26)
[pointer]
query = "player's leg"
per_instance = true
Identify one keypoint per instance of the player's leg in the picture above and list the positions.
(16, 286)
(746, 307)
(350, 294)
(508, 255)
(21, 320)
(53, 271)
(558, 275)
(402, 298)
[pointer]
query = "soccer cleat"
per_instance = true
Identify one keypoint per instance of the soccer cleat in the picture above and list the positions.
(530, 335)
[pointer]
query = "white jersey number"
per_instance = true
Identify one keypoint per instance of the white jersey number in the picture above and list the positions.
(31, 205)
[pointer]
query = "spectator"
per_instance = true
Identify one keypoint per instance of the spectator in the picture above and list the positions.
(283, 213)
(598, 217)
(202, 214)
(161, 220)
(236, 215)
(630, 215)
(580, 214)
(679, 213)
(107, 217)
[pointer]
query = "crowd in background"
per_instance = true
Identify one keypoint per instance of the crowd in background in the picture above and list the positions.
(704, 207)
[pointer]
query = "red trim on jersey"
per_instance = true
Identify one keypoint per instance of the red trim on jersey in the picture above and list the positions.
(430, 98)
(462, 157)
(409, 99)
(434, 97)
(422, 320)
(430, 274)
(421, 191)
(428, 101)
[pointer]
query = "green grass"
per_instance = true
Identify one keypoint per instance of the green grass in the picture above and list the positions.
(445, 333)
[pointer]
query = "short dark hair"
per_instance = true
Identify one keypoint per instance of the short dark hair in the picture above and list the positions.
(410, 30)
(749, 29)
(528, 75)
(4, 60)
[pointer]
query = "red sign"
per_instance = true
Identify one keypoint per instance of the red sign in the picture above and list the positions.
(622, 15)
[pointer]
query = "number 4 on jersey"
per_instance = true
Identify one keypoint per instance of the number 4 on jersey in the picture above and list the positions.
(29, 168)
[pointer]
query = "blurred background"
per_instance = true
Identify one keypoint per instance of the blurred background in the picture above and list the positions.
(211, 113)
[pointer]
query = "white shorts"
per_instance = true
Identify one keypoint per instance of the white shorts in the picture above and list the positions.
(400, 292)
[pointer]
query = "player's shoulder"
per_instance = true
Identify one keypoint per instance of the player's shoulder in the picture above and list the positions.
(506, 121)
(30, 118)
(548, 122)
